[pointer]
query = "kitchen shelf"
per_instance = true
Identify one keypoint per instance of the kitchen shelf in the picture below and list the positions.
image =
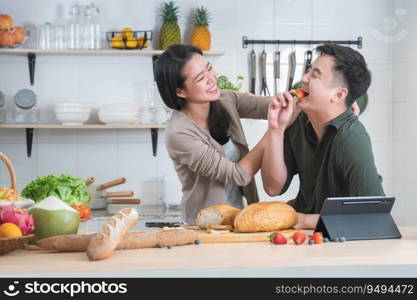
(84, 126)
(32, 52)
(30, 129)
(134, 52)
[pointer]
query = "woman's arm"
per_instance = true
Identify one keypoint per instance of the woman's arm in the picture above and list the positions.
(252, 161)
(200, 156)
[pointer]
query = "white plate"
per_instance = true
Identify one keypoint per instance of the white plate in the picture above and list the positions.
(25, 203)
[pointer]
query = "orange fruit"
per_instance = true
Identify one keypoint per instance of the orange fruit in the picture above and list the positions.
(10, 230)
(127, 33)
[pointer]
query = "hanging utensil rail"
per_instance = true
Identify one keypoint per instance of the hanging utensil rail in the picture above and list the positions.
(246, 42)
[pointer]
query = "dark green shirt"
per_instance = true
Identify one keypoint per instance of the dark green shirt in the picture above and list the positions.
(340, 164)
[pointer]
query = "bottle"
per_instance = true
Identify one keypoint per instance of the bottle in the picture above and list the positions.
(95, 11)
(73, 30)
(92, 34)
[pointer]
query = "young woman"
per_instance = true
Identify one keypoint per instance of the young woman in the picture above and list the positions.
(204, 137)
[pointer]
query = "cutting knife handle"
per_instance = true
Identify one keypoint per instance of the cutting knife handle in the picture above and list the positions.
(252, 87)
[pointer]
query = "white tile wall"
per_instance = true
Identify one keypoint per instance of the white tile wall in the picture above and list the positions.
(404, 105)
(101, 80)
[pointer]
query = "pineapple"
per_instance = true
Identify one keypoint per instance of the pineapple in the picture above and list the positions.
(201, 36)
(170, 32)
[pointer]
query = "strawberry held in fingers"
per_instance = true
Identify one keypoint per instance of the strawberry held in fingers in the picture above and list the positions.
(277, 238)
(299, 93)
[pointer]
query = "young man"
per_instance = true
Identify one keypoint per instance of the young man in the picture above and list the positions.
(327, 145)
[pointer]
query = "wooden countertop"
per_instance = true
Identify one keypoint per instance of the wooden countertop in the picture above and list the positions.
(230, 256)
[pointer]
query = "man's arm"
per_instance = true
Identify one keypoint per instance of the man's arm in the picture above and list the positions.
(274, 170)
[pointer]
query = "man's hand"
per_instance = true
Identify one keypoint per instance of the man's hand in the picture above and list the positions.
(280, 111)
(306, 221)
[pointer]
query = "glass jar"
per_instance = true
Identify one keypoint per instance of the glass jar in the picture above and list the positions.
(2, 108)
(25, 110)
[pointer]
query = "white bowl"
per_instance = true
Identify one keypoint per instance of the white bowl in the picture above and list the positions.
(72, 110)
(119, 108)
(72, 118)
(72, 105)
(117, 118)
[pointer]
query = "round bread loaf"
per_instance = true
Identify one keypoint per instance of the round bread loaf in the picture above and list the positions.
(219, 214)
(266, 216)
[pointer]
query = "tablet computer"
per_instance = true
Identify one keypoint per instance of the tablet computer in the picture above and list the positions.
(358, 218)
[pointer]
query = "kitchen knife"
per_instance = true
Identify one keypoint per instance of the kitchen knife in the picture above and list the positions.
(308, 56)
(277, 71)
(291, 69)
(262, 70)
(252, 71)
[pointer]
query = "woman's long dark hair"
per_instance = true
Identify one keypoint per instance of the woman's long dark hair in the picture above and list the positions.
(169, 77)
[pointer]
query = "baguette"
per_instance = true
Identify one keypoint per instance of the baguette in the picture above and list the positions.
(106, 240)
(132, 240)
(219, 214)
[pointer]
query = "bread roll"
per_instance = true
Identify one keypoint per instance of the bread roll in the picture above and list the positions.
(219, 214)
(266, 216)
(105, 241)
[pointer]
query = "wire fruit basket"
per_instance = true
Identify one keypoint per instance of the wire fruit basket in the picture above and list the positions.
(8, 245)
(139, 39)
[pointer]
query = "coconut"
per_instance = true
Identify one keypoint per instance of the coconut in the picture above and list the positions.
(54, 217)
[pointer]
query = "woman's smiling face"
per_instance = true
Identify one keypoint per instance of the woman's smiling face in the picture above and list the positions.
(200, 84)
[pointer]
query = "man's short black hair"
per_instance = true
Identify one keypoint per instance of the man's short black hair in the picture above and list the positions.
(351, 66)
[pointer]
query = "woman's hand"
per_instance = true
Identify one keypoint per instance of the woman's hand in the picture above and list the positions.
(355, 108)
(280, 111)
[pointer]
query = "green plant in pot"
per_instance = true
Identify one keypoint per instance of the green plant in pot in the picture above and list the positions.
(53, 216)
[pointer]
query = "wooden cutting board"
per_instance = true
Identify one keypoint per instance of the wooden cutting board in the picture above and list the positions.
(234, 237)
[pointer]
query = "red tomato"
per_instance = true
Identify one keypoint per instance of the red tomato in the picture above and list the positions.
(85, 212)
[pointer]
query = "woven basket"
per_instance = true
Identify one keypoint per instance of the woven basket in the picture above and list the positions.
(10, 244)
